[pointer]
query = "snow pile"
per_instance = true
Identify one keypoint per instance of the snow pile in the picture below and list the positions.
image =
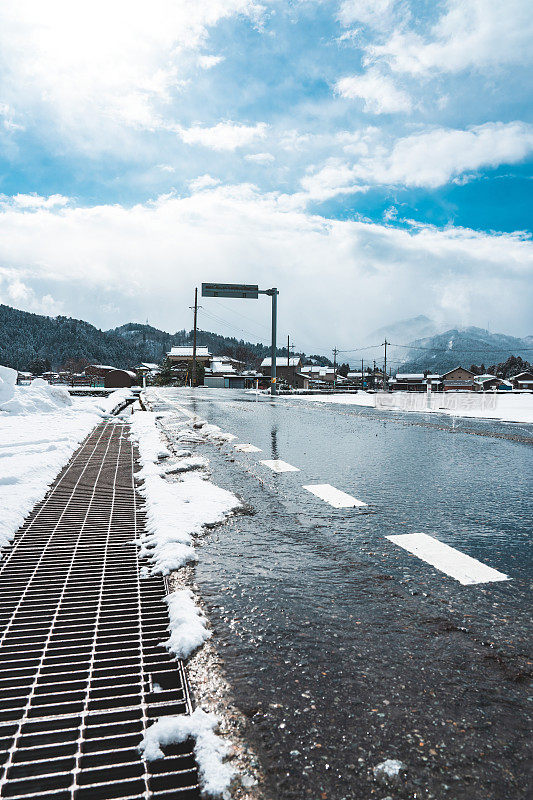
(38, 397)
(176, 510)
(503, 406)
(107, 405)
(187, 624)
(209, 749)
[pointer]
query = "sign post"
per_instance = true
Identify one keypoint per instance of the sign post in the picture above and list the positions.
(250, 292)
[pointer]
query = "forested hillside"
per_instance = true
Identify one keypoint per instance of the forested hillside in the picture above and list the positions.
(35, 342)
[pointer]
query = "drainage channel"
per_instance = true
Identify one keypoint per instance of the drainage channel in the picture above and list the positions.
(82, 670)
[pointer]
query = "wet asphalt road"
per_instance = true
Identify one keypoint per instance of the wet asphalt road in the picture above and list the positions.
(344, 650)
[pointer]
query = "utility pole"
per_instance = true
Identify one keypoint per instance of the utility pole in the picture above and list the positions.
(334, 367)
(374, 376)
(385, 364)
(362, 375)
(193, 379)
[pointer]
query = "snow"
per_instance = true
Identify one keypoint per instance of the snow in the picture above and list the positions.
(176, 509)
(187, 627)
(40, 427)
(502, 406)
(210, 750)
(388, 770)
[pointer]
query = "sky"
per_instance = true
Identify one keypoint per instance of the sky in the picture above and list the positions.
(372, 159)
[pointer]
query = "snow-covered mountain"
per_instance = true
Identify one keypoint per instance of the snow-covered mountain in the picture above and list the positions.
(463, 347)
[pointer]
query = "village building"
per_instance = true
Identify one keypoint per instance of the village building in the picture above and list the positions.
(524, 380)
(363, 380)
(485, 383)
(288, 370)
(319, 376)
(183, 356)
(459, 379)
(409, 382)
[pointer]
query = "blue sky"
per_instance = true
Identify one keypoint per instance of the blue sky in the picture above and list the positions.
(367, 152)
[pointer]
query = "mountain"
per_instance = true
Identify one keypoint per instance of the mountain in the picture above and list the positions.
(464, 347)
(35, 342)
(405, 330)
(397, 334)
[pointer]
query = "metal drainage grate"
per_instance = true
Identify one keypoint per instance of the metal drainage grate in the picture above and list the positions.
(82, 673)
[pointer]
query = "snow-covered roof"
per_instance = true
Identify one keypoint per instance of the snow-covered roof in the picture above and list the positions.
(100, 366)
(148, 365)
(186, 352)
(522, 375)
(281, 361)
(410, 376)
(219, 365)
(316, 370)
(434, 376)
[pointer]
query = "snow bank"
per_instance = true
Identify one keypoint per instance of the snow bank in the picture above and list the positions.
(176, 510)
(209, 749)
(503, 406)
(108, 405)
(187, 624)
(38, 397)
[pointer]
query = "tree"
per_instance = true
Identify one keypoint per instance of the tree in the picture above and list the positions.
(343, 370)
(165, 377)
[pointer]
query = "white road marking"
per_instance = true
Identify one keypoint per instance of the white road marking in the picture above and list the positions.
(276, 465)
(333, 496)
(463, 568)
(247, 448)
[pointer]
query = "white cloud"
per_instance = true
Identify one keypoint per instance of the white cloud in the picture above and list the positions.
(91, 71)
(223, 136)
(203, 182)
(91, 256)
(206, 62)
(13, 291)
(260, 158)
(380, 94)
(375, 13)
(428, 159)
(36, 201)
(473, 34)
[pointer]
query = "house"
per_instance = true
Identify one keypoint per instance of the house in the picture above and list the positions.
(361, 380)
(524, 380)
(287, 369)
(321, 376)
(183, 356)
(459, 379)
(484, 383)
(409, 382)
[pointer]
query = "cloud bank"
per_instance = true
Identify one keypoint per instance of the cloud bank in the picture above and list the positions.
(144, 260)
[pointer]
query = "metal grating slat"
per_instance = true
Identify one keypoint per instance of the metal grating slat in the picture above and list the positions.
(80, 635)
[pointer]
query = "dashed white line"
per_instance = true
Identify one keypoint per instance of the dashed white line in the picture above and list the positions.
(463, 568)
(276, 465)
(247, 448)
(334, 496)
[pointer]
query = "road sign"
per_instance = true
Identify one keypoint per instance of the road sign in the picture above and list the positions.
(230, 290)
